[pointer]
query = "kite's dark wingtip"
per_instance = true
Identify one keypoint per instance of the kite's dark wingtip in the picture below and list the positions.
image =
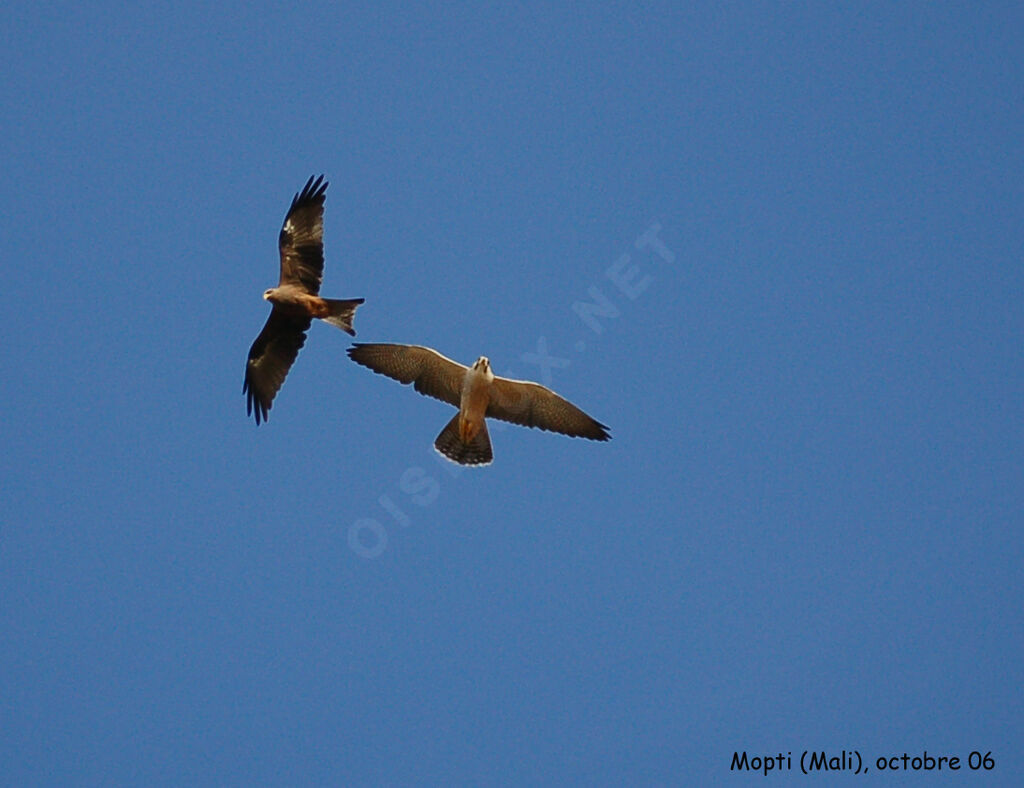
(315, 188)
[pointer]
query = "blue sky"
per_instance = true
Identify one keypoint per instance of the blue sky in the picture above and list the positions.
(805, 533)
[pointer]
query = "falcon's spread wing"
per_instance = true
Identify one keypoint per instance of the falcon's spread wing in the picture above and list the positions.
(532, 405)
(429, 372)
(270, 358)
(302, 238)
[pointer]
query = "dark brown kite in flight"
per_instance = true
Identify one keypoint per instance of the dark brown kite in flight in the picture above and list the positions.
(478, 394)
(296, 300)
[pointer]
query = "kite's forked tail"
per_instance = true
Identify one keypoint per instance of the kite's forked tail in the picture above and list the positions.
(476, 452)
(340, 313)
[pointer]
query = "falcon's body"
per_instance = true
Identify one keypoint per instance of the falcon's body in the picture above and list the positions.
(474, 398)
(296, 300)
(478, 394)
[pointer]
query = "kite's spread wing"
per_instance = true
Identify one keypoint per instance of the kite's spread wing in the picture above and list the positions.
(302, 238)
(270, 358)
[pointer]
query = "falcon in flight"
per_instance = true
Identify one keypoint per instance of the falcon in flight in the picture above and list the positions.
(295, 300)
(478, 394)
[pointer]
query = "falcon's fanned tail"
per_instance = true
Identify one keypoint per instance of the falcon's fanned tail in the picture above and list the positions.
(341, 312)
(476, 452)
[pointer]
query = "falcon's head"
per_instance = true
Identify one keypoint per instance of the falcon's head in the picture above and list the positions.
(483, 366)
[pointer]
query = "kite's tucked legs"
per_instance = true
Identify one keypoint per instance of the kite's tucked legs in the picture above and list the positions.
(316, 306)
